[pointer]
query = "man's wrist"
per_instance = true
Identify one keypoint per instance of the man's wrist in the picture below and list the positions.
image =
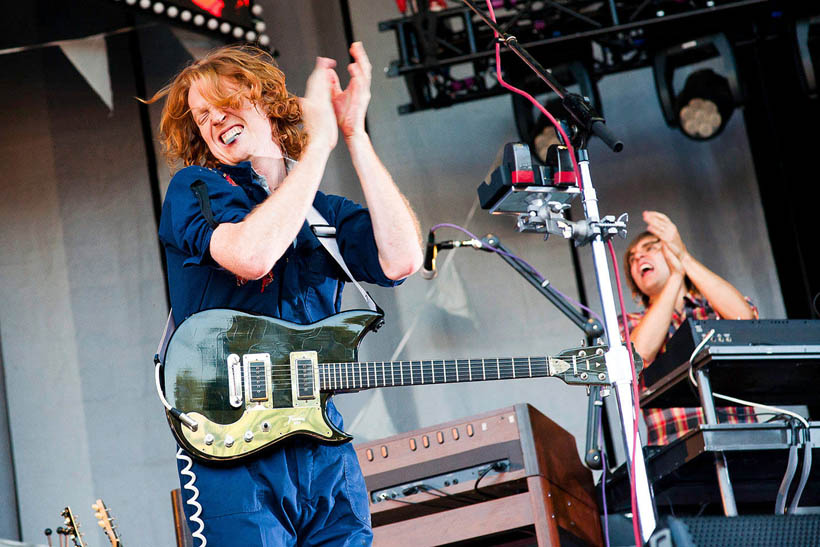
(319, 146)
(357, 137)
(677, 277)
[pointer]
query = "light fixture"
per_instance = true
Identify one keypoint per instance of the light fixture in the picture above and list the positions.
(241, 22)
(533, 127)
(703, 107)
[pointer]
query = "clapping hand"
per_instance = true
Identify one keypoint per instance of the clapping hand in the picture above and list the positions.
(660, 225)
(350, 104)
(318, 116)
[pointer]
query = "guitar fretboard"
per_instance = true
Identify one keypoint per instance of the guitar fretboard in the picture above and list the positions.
(364, 375)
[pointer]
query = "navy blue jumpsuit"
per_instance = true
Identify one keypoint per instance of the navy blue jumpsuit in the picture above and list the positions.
(302, 492)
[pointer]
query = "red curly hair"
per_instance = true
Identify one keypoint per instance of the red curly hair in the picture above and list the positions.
(258, 79)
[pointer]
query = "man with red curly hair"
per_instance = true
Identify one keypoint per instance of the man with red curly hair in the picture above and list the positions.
(230, 121)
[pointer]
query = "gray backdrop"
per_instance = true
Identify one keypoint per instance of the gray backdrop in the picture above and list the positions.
(82, 300)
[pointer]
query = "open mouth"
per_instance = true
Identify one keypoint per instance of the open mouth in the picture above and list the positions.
(645, 267)
(231, 134)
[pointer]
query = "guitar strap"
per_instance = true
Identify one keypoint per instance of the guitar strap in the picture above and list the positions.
(326, 234)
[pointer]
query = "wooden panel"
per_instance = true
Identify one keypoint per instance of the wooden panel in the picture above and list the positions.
(402, 507)
(181, 531)
(487, 429)
(558, 508)
(558, 459)
(542, 502)
(472, 521)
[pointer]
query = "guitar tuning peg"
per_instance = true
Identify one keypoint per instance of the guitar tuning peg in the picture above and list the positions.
(95, 507)
(98, 515)
(101, 524)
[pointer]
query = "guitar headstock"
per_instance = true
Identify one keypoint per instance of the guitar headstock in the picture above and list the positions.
(584, 365)
(587, 365)
(106, 522)
(71, 528)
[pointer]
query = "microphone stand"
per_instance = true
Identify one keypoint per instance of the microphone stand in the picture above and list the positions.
(592, 329)
(593, 230)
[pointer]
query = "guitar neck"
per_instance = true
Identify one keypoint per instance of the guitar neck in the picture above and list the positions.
(366, 375)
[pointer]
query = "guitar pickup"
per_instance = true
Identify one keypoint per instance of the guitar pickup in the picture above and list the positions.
(304, 374)
(257, 378)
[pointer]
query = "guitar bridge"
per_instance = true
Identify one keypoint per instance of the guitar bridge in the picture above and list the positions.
(258, 387)
(304, 373)
(234, 380)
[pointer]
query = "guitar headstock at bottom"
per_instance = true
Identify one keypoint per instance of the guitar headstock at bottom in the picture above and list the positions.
(106, 522)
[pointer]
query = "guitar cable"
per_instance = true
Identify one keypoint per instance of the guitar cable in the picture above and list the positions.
(187, 421)
(182, 456)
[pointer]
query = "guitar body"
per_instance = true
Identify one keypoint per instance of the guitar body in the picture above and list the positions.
(246, 381)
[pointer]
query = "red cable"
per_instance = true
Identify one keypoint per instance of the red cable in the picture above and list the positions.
(635, 395)
(529, 97)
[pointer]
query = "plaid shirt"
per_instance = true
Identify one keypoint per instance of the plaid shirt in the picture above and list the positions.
(664, 425)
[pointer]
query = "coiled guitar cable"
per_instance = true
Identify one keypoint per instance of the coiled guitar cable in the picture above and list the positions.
(182, 456)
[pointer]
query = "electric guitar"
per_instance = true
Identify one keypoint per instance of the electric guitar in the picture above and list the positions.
(248, 381)
(106, 522)
(71, 528)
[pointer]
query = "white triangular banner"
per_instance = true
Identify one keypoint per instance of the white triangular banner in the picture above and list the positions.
(90, 57)
(449, 295)
(197, 44)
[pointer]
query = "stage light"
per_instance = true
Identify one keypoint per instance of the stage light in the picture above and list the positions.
(703, 107)
(232, 19)
(533, 127)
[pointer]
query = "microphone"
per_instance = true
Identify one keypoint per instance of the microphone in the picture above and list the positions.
(428, 270)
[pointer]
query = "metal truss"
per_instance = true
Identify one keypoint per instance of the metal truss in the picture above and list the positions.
(447, 57)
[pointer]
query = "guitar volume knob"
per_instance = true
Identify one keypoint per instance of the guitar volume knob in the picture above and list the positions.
(209, 439)
(229, 441)
(248, 436)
